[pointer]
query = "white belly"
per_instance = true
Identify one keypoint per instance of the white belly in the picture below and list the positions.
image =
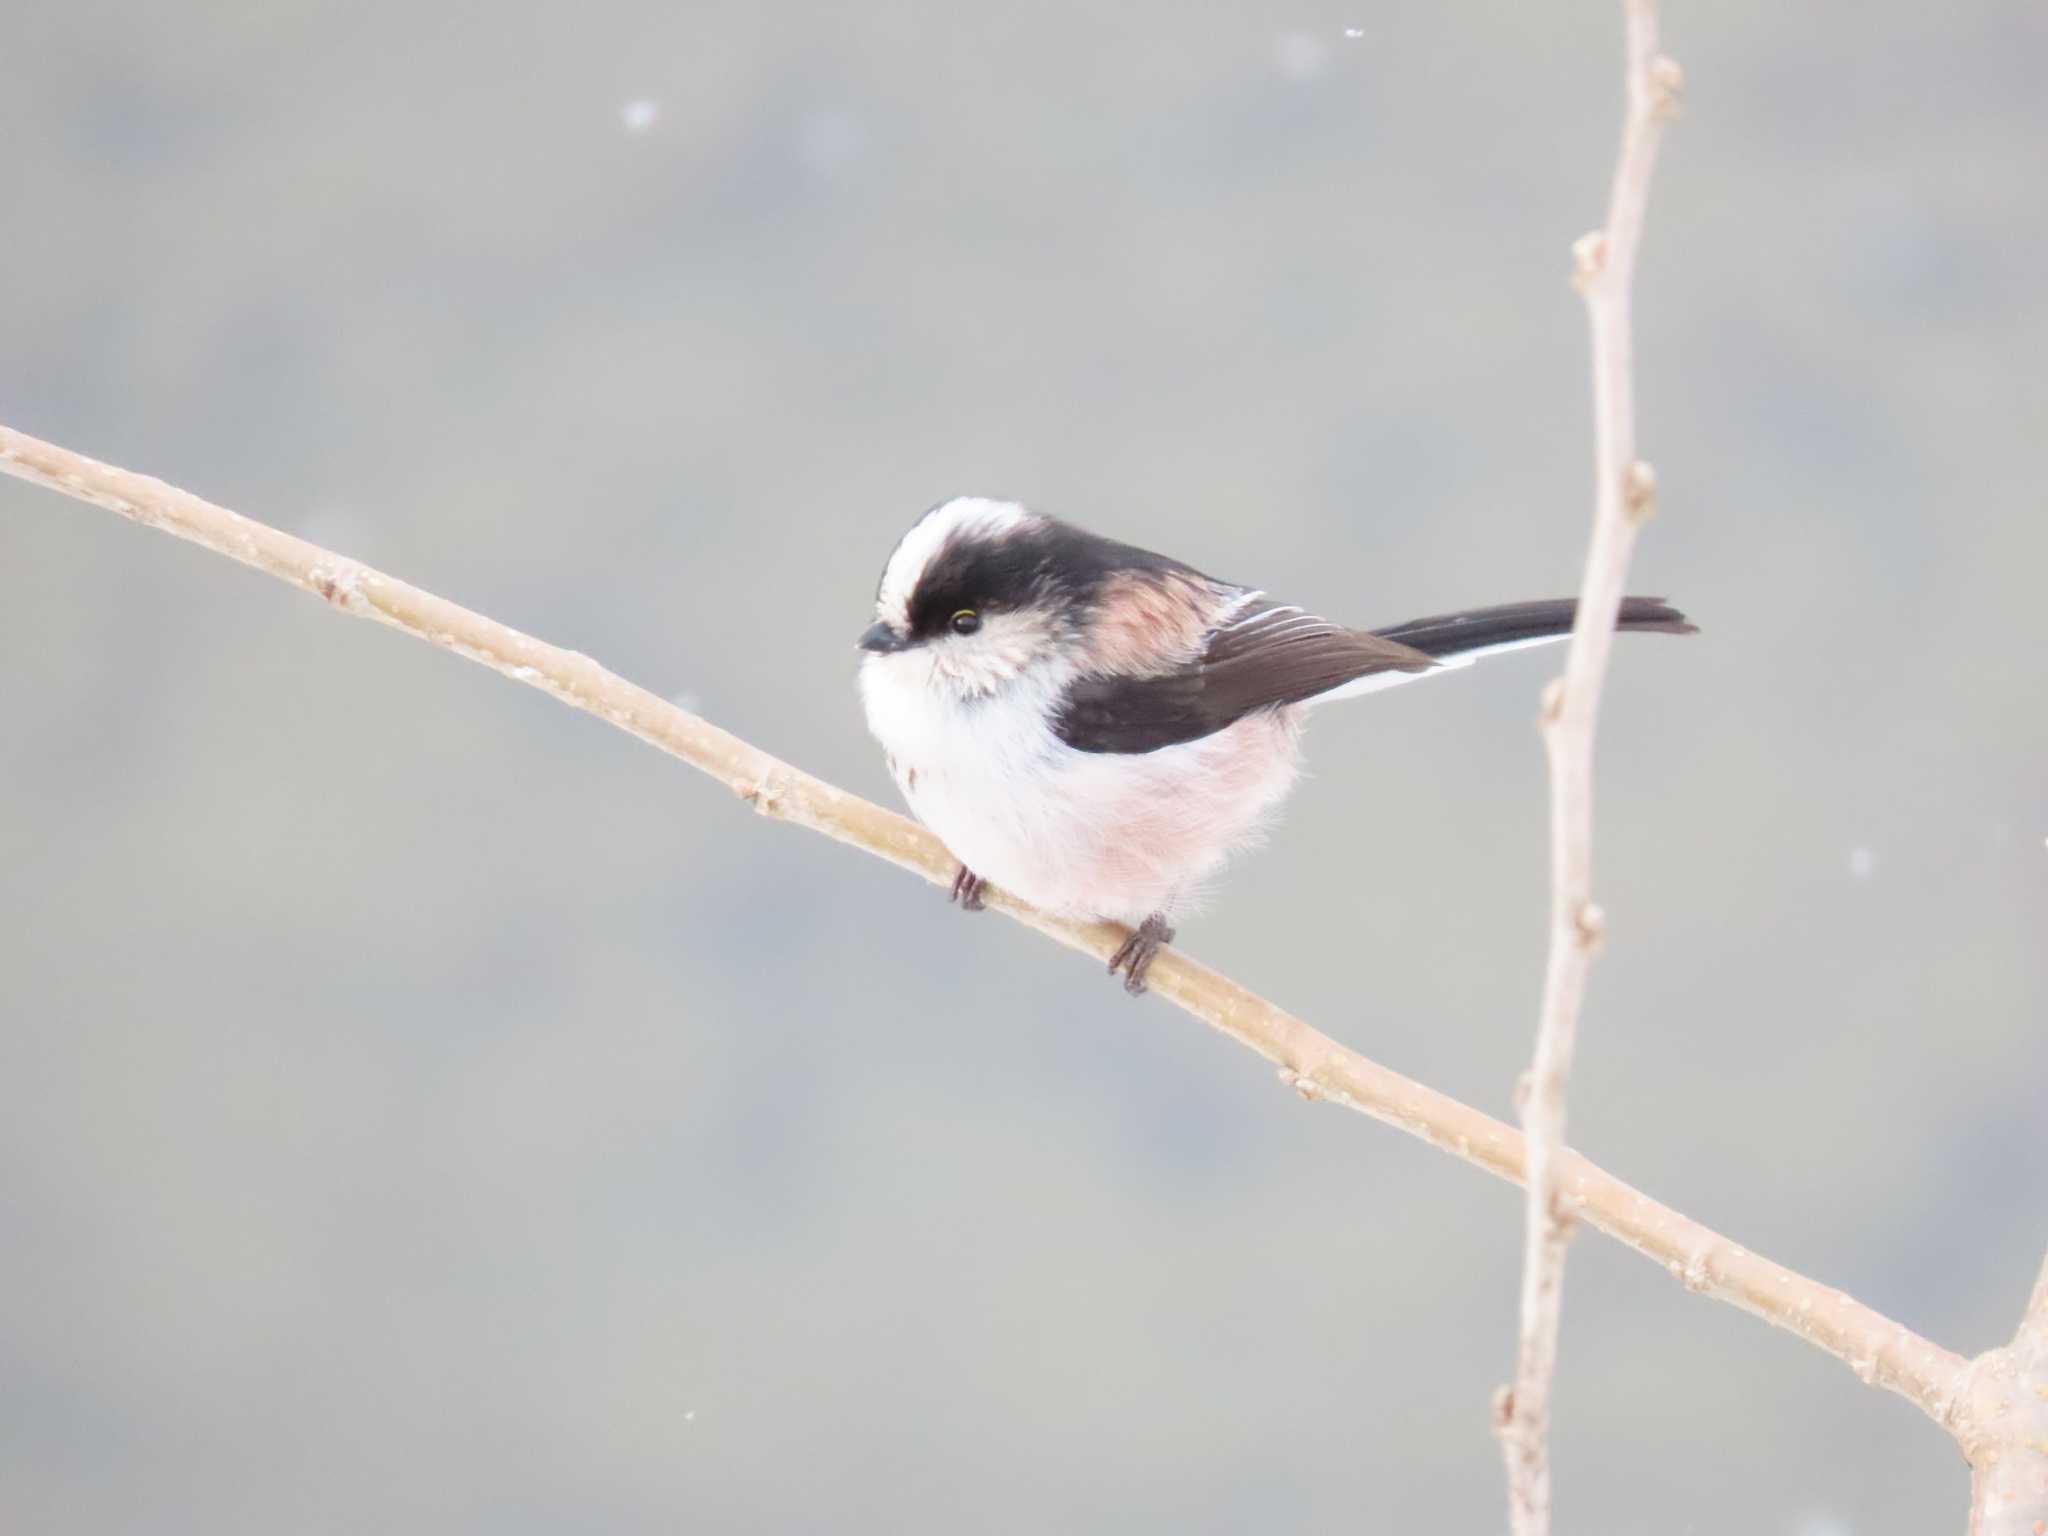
(1091, 834)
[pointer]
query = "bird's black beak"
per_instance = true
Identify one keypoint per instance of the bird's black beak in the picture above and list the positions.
(882, 640)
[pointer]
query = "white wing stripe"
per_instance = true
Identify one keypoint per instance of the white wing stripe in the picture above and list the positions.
(1262, 616)
(1297, 630)
(1373, 682)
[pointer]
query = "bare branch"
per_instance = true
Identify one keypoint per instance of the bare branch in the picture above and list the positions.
(1605, 272)
(2002, 1422)
(1879, 1350)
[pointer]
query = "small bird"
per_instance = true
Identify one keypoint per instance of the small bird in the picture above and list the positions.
(1096, 728)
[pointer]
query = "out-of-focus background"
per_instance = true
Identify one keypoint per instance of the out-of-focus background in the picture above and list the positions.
(423, 1108)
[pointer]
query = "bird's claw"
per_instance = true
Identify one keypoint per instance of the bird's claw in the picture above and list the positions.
(967, 889)
(1135, 955)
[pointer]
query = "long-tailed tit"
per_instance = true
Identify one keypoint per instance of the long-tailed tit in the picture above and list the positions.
(1096, 728)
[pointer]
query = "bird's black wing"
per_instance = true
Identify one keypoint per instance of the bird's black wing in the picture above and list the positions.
(1264, 655)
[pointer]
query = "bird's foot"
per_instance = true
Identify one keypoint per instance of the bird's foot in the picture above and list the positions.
(967, 889)
(1134, 958)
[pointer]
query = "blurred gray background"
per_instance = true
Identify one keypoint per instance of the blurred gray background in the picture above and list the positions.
(423, 1108)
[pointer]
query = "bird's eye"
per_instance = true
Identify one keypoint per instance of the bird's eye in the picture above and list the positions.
(965, 622)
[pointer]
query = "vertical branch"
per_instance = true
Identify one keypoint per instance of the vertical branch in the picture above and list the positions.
(1626, 494)
(2003, 1425)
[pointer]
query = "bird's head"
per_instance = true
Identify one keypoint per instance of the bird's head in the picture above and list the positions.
(974, 598)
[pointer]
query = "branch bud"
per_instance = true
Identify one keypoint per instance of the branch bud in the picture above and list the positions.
(1589, 259)
(1590, 925)
(1639, 493)
(1304, 1088)
(1667, 88)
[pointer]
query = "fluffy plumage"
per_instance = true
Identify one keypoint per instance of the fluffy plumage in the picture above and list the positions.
(1097, 728)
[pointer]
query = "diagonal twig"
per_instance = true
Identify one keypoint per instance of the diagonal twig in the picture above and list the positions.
(1880, 1351)
(1625, 498)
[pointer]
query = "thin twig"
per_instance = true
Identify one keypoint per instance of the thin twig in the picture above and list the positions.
(1880, 1351)
(1626, 496)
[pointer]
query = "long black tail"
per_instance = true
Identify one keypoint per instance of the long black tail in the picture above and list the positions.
(1483, 629)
